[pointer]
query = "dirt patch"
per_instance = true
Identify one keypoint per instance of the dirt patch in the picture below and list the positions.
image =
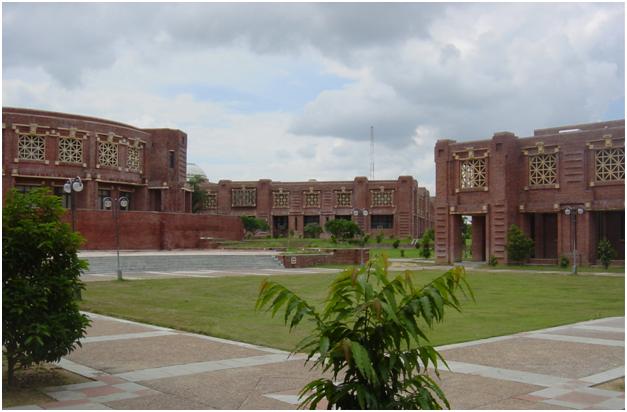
(29, 382)
(615, 385)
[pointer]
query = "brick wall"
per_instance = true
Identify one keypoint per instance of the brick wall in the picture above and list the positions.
(332, 257)
(153, 230)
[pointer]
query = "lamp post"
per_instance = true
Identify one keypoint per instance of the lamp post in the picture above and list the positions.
(573, 212)
(72, 186)
(115, 205)
(364, 213)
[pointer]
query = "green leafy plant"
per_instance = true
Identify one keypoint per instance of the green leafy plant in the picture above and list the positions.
(492, 261)
(402, 253)
(425, 243)
(519, 247)
(370, 336)
(605, 252)
(564, 262)
(312, 230)
(342, 229)
(41, 321)
(396, 244)
(379, 237)
(199, 194)
(252, 224)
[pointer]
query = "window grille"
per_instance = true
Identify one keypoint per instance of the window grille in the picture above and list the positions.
(70, 150)
(343, 199)
(610, 164)
(211, 201)
(134, 160)
(108, 154)
(243, 197)
(542, 169)
(280, 199)
(474, 173)
(382, 197)
(312, 199)
(31, 147)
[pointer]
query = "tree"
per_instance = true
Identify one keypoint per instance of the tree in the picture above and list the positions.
(605, 252)
(342, 229)
(253, 224)
(41, 321)
(519, 247)
(199, 194)
(371, 336)
(312, 230)
(425, 243)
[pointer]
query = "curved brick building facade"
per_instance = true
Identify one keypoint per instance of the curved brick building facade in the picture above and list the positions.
(394, 207)
(148, 166)
(531, 182)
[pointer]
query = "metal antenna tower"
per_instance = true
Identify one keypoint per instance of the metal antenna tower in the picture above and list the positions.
(371, 152)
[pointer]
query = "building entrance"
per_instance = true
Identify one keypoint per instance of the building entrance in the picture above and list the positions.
(279, 226)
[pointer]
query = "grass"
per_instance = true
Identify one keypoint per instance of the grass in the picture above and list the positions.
(30, 381)
(557, 268)
(223, 307)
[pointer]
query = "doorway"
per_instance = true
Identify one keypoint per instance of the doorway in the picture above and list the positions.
(279, 226)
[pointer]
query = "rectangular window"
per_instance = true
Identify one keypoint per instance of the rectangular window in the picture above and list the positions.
(244, 197)
(108, 154)
(171, 159)
(343, 217)
(311, 219)
(25, 188)
(382, 221)
(31, 147)
(473, 174)
(70, 150)
(543, 169)
(101, 196)
(610, 164)
(66, 198)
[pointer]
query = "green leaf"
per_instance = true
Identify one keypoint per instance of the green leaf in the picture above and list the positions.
(362, 360)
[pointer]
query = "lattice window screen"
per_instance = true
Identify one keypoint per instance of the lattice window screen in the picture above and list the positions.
(610, 164)
(243, 197)
(382, 198)
(70, 150)
(474, 173)
(134, 160)
(343, 199)
(542, 169)
(280, 199)
(31, 147)
(107, 154)
(211, 201)
(312, 199)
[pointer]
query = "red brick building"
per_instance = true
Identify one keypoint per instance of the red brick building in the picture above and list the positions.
(531, 182)
(394, 207)
(112, 159)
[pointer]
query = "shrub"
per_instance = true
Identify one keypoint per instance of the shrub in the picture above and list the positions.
(564, 262)
(425, 243)
(312, 230)
(396, 244)
(370, 336)
(252, 224)
(492, 261)
(519, 246)
(605, 252)
(402, 253)
(199, 195)
(379, 237)
(41, 321)
(342, 229)
(333, 239)
(418, 244)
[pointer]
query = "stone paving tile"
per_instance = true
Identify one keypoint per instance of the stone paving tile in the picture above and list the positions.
(590, 333)
(156, 402)
(566, 359)
(618, 322)
(470, 391)
(102, 327)
(128, 355)
(233, 388)
(519, 404)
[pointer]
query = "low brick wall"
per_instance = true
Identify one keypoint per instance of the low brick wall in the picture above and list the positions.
(325, 257)
(154, 230)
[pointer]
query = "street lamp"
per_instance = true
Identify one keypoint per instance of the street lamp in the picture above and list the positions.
(364, 213)
(573, 212)
(72, 186)
(109, 204)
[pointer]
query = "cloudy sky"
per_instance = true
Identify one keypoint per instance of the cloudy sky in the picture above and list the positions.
(289, 91)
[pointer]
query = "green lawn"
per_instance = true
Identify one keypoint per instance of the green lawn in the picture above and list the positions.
(557, 268)
(224, 307)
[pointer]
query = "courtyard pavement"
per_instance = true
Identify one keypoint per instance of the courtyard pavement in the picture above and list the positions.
(139, 366)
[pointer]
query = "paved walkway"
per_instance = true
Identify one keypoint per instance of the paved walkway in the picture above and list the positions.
(138, 366)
